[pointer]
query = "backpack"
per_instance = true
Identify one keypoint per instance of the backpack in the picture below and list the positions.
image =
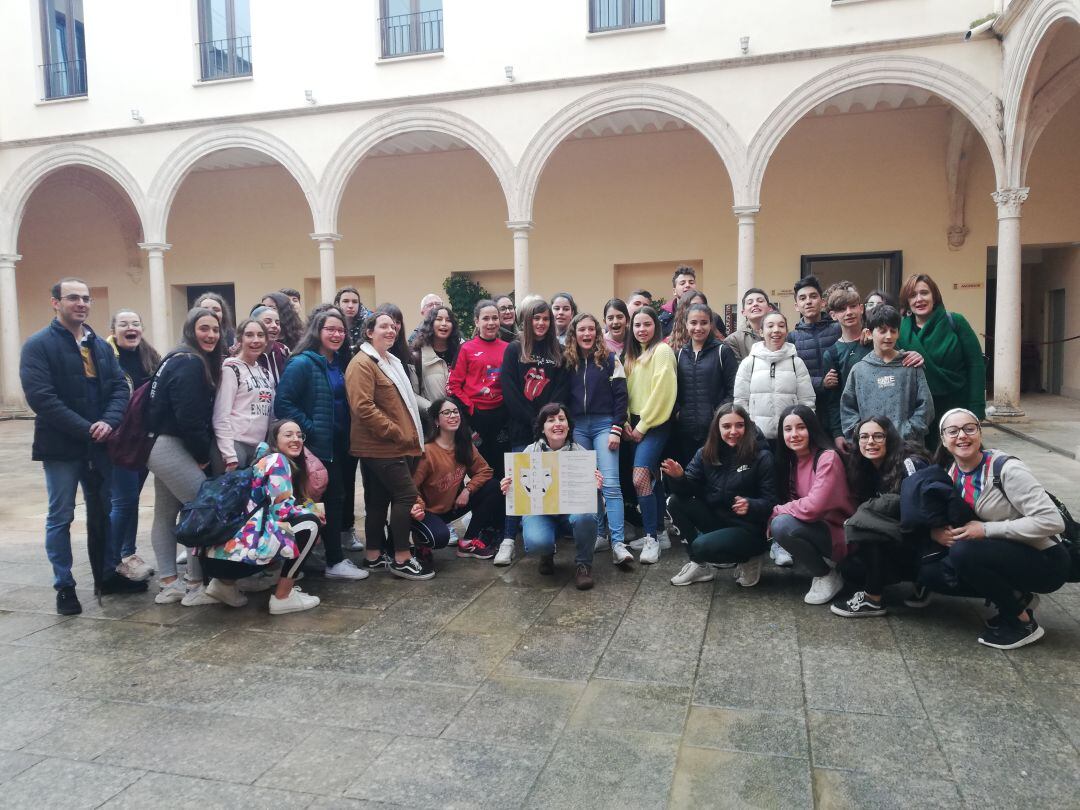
(130, 444)
(219, 510)
(1070, 537)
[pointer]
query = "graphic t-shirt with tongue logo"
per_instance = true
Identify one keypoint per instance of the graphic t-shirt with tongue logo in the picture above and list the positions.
(536, 380)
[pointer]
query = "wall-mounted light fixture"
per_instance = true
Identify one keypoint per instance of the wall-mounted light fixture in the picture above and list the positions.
(136, 117)
(509, 71)
(309, 97)
(744, 45)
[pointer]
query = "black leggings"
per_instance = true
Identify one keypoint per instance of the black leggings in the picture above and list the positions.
(348, 492)
(709, 539)
(306, 530)
(491, 427)
(808, 543)
(870, 567)
(998, 569)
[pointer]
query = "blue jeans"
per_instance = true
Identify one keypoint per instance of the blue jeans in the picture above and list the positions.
(647, 454)
(592, 433)
(540, 531)
(124, 518)
(62, 479)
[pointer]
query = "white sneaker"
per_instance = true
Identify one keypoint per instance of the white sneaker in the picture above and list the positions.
(229, 594)
(823, 589)
(196, 596)
(663, 539)
(620, 554)
(295, 602)
(650, 552)
(135, 567)
(505, 554)
(748, 574)
(780, 556)
(350, 542)
(262, 581)
(345, 570)
(601, 543)
(691, 573)
(181, 558)
(171, 593)
(453, 536)
(637, 544)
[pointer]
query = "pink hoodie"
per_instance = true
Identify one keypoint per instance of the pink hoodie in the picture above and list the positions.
(822, 495)
(242, 409)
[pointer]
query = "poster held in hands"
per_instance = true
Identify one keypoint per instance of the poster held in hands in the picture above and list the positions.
(551, 483)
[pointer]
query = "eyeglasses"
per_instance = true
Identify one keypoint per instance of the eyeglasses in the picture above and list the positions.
(334, 330)
(877, 438)
(290, 435)
(970, 429)
(74, 298)
(450, 412)
(506, 308)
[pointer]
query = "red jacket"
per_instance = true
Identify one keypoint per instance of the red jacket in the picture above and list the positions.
(474, 379)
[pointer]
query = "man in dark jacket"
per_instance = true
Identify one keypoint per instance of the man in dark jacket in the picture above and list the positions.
(815, 332)
(75, 386)
(684, 278)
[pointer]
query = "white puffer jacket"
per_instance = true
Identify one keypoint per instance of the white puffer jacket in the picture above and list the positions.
(769, 381)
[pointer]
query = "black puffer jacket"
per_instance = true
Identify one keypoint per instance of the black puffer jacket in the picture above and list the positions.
(182, 403)
(719, 484)
(811, 340)
(56, 388)
(706, 381)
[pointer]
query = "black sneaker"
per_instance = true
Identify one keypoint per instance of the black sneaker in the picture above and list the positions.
(858, 605)
(547, 565)
(475, 548)
(426, 557)
(1030, 601)
(117, 583)
(67, 603)
(382, 563)
(919, 598)
(1013, 634)
(410, 569)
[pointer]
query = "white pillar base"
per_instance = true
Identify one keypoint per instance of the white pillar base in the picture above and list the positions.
(327, 264)
(12, 397)
(159, 302)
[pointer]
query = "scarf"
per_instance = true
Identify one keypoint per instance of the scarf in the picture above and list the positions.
(970, 485)
(393, 369)
(940, 347)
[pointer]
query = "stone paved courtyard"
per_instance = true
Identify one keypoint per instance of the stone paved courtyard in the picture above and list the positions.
(501, 688)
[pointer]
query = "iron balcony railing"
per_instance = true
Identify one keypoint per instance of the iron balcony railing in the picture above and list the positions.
(610, 15)
(225, 58)
(405, 34)
(64, 79)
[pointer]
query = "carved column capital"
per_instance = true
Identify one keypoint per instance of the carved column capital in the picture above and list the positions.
(1009, 201)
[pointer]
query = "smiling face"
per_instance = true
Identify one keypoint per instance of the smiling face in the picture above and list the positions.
(556, 430)
(290, 440)
(127, 330)
(507, 315)
(699, 327)
(732, 429)
(874, 300)
(207, 333)
(922, 301)
(755, 305)
(850, 317)
(272, 322)
(966, 445)
(774, 331)
(563, 313)
(643, 328)
(585, 334)
(73, 306)
(449, 417)
(383, 334)
(796, 435)
(442, 326)
(683, 283)
(253, 341)
(616, 323)
(541, 323)
(872, 442)
(350, 304)
(487, 323)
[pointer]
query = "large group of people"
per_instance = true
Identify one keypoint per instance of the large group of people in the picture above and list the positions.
(820, 444)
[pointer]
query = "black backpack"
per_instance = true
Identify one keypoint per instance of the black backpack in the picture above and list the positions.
(219, 510)
(1070, 537)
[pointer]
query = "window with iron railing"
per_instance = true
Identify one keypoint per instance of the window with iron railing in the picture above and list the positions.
(611, 15)
(63, 49)
(224, 44)
(410, 27)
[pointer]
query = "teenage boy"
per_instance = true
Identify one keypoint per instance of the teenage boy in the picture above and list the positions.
(684, 278)
(637, 300)
(846, 308)
(881, 385)
(813, 334)
(755, 306)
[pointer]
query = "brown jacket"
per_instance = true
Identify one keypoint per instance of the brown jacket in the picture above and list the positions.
(381, 424)
(439, 477)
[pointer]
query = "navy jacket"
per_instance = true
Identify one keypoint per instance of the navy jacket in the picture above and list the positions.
(706, 381)
(56, 388)
(599, 391)
(182, 403)
(718, 484)
(811, 340)
(304, 396)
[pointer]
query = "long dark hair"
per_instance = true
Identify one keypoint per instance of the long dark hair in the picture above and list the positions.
(785, 460)
(148, 356)
(463, 446)
(680, 333)
(297, 467)
(292, 328)
(574, 355)
(311, 340)
(425, 334)
(228, 322)
(864, 479)
(545, 348)
(745, 451)
(633, 351)
(190, 343)
(400, 349)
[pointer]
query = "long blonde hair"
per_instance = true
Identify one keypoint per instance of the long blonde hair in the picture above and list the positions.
(572, 353)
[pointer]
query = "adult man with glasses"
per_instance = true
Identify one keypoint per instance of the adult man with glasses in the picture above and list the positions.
(73, 382)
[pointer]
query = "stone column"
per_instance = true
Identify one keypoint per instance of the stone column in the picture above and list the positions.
(747, 216)
(1009, 201)
(9, 332)
(521, 230)
(159, 303)
(327, 270)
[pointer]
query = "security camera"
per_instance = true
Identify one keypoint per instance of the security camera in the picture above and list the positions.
(981, 28)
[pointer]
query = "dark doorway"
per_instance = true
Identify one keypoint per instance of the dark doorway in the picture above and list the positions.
(226, 291)
(867, 271)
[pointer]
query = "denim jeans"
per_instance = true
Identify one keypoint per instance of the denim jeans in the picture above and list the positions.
(540, 531)
(592, 433)
(647, 454)
(124, 518)
(62, 479)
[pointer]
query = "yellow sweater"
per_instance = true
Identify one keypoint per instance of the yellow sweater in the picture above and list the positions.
(652, 385)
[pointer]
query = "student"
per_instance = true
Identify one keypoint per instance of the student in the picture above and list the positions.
(773, 377)
(563, 310)
(637, 300)
(679, 337)
(244, 401)
(880, 384)
(427, 303)
(876, 298)
(706, 371)
(683, 279)
(878, 467)
(474, 383)
(813, 501)
(755, 306)
(435, 349)
(508, 330)
(597, 404)
(1012, 552)
(312, 393)
(651, 384)
(846, 309)
(553, 431)
(285, 531)
(218, 305)
(616, 320)
(443, 495)
(723, 499)
(532, 375)
(292, 328)
(348, 301)
(294, 299)
(814, 333)
(276, 353)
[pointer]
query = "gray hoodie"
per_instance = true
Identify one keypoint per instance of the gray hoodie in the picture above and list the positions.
(877, 388)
